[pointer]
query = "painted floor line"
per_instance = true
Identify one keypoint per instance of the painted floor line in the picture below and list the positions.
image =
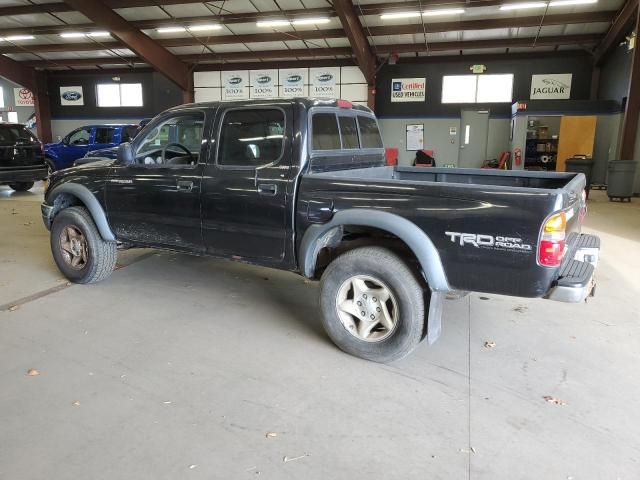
(58, 288)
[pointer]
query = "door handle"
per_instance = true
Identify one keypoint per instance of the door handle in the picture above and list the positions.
(267, 189)
(184, 186)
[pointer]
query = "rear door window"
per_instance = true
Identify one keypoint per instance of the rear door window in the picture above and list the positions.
(251, 137)
(325, 133)
(349, 132)
(369, 133)
(104, 135)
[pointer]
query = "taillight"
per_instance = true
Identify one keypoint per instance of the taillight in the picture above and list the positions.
(551, 246)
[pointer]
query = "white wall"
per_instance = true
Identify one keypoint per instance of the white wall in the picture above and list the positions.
(9, 101)
(351, 85)
(446, 147)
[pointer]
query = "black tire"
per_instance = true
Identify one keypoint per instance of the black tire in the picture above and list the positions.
(389, 269)
(21, 186)
(100, 256)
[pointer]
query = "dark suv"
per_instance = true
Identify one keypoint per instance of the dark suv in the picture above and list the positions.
(21, 157)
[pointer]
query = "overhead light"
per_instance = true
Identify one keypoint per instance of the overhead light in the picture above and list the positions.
(72, 34)
(171, 29)
(521, 6)
(562, 3)
(19, 37)
(272, 23)
(203, 28)
(98, 34)
(310, 21)
(446, 11)
(396, 15)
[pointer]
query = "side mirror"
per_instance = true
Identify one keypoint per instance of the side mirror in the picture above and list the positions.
(64, 140)
(125, 153)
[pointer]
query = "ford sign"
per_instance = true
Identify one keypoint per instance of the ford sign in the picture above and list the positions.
(263, 79)
(325, 77)
(235, 80)
(71, 96)
(294, 78)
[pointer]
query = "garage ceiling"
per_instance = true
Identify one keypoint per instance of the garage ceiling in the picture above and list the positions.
(49, 34)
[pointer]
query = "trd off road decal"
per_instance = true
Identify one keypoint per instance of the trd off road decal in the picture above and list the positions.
(498, 242)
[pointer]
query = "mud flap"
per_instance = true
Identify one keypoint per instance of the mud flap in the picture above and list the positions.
(434, 320)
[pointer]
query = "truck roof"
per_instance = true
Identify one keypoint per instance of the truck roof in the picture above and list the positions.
(305, 102)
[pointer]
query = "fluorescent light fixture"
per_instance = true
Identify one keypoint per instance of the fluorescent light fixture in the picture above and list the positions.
(445, 11)
(272, 23)
(19, 37)
(310, 21)
(522, 6)
(171, 29)
(72, 34)
(204, 28)
(397, 15)
(562, 3)
(98, 34)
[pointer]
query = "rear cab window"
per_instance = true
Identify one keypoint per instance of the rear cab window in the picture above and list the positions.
(338, 129)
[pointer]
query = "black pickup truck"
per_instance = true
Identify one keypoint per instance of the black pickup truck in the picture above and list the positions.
(302, 185)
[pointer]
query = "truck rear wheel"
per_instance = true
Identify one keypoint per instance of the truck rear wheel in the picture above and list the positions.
(372, 304)
(21, 186)
(78, 249)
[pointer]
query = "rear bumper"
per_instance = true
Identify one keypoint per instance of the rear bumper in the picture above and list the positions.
(576, 279)
(26, 174)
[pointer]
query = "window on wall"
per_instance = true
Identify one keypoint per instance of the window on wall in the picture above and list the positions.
(119, 94)
(477, 88)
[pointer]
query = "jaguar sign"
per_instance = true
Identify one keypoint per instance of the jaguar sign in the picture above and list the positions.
(551, 87)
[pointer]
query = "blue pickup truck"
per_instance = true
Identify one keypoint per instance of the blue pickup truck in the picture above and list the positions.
(86, 139)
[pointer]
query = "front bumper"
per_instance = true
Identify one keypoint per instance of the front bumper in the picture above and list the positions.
(22, 174)
(576, 278)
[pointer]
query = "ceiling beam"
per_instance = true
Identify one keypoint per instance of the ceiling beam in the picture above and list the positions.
(622, 24)
(259, 56)
(156, 56)
(17, 72)
(439, 27)
(227, 19)
(357, 38)
(482, 44)
(61, 7)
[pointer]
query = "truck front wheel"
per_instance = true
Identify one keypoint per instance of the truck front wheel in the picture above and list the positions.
(372, 304)
(78, 249)
(21, 186)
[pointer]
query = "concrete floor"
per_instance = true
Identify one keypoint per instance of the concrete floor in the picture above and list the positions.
(179, 367)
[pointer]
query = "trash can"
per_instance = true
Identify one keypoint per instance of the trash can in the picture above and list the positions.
(581, 165)
(620, 181)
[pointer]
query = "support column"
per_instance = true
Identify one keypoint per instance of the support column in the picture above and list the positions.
(42, 103)
(630, 123)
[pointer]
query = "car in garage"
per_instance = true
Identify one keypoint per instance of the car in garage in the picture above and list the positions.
(21, 157)
(301, 185)
(79, 142)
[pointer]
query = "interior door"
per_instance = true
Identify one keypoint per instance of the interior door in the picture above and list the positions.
(244, 198)
(577, 136)
(155, 200)
(474, 133)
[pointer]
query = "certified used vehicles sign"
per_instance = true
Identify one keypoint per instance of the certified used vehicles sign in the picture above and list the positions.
(408, 89)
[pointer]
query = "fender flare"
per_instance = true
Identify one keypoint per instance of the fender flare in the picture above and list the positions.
(318, 236)
(92, 204)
